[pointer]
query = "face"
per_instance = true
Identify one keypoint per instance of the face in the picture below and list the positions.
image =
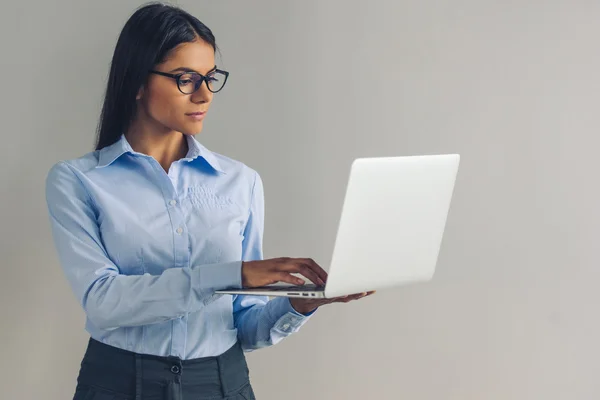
(161, 102)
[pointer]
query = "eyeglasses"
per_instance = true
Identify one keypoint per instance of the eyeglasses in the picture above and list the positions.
(189, 82)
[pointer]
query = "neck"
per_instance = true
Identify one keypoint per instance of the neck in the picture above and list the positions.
(164, 146)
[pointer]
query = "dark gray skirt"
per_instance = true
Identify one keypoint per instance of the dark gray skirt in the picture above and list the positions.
(110, 373)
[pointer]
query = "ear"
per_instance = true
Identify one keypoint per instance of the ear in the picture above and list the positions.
(140, 93)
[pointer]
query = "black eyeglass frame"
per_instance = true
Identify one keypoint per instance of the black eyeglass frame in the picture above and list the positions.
(203, 78)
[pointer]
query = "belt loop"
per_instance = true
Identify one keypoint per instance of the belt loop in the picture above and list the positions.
(138, 377)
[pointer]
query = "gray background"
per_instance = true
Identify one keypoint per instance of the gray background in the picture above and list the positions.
(511, 85)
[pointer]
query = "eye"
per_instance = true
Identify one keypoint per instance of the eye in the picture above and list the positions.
(186, 80)
(215, 81)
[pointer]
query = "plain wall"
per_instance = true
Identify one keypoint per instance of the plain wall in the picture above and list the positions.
(512, 86)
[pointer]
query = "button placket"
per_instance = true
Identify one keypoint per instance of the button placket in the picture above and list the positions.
(179, 230)
(169, 183)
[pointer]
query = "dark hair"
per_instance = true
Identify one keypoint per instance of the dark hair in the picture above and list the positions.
(146, 39)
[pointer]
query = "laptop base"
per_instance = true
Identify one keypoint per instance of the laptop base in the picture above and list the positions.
(302, 291)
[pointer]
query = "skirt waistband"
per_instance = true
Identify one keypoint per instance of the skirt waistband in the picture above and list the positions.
(130, 373)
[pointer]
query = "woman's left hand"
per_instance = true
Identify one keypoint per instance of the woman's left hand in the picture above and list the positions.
(305, 306)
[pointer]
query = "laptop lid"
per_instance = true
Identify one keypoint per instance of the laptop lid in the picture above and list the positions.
(392, 222)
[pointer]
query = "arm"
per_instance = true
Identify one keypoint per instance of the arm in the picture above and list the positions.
(112, 300)
(261, 322)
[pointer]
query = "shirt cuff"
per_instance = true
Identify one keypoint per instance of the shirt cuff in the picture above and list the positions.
(286, 319)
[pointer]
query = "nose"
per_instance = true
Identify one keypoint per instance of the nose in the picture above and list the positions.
(202, 95)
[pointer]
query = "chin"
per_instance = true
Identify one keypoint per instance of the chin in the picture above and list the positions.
(192, 130)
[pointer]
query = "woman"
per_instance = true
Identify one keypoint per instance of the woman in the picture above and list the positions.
(150, 224)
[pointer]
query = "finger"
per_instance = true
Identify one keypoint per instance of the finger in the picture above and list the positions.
(304, 270)
(316, 268)
(289, 278)
(342, 299)
(347, 299)
(363, 294)
(312, 275)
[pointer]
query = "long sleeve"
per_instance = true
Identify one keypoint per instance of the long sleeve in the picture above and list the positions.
(109, 298)
(261, 322)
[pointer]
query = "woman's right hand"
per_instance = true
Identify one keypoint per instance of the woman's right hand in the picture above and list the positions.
(266, 272)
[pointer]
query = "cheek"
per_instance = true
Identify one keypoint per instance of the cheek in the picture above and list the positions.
(166, 108)
(169, 111)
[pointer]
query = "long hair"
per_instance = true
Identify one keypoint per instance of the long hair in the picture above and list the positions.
(146, 39)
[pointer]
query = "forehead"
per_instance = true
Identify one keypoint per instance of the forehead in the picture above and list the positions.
(198, 56)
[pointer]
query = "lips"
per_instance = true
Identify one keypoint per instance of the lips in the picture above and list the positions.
(196, 116)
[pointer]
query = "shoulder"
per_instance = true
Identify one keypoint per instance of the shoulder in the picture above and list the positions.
(83, 164)
(66, 175)
(239, 171)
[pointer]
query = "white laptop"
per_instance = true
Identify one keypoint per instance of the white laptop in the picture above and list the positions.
(390, 230)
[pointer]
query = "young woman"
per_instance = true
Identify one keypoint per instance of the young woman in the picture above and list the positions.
(151, 223)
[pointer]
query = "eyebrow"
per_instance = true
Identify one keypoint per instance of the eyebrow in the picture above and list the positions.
(187, 69)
